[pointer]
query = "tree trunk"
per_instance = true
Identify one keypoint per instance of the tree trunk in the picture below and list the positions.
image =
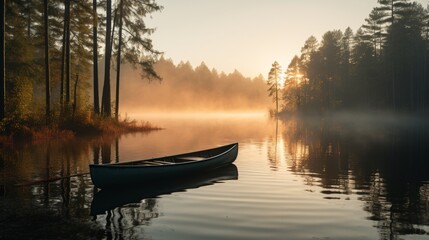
(277, 97)
(63, 56)
(106, 108)
(2, 60)
(67, 22)
(28, 9)
(95, 57)
(47, 69)
(75, 95)
(118, 61)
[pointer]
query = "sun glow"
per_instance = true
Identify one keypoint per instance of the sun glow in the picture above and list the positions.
(282, 80)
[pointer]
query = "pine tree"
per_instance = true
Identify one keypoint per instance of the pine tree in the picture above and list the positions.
(133, 44)
(273, 82)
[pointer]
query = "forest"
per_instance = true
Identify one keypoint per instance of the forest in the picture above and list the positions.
(51, 52)
(383, 65)
(62, 67)
(188, 88)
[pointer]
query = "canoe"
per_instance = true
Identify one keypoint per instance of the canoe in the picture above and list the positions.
(162, 169)
(131, 197)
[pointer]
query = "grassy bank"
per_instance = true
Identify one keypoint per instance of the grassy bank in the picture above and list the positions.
(36, 129)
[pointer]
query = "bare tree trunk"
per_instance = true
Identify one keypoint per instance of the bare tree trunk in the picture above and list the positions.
(75, 94)
(28, 9)
(106, 107)
(118, 61)
(95, 57)
(2, 61)
(67, 22)
(47, 68)
(277, 98)
(63, 55)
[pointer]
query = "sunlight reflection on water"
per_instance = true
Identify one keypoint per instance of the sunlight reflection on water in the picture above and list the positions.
(291, 181)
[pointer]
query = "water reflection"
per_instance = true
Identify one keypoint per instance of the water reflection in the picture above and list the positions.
(386, 167)
(108, 199)
(292, 175)
(128, 208)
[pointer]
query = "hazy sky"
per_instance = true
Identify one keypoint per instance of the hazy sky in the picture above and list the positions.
(249, 35)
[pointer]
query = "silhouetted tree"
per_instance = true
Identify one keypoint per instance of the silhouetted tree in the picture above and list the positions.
(67, 6)
(293, 90)
(105, 105)
(47, 62)
(95, 57)
(118, 59)
(383, 66)
(365, 73)
(346, 46)
(2, 60)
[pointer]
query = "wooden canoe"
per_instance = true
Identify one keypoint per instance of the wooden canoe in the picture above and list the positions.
(162, 169)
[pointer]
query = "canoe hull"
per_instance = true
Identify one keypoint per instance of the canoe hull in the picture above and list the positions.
(114, 175)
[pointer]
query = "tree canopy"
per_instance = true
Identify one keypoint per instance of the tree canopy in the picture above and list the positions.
(382, 66)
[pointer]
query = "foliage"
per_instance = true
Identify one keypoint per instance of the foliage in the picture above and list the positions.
(383, 66)
(274, 83)
(70, 48)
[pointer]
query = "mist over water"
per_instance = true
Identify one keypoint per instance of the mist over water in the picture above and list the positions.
(346, 176)
(187, 88)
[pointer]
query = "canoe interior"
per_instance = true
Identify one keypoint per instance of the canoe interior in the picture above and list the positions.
(182, 158)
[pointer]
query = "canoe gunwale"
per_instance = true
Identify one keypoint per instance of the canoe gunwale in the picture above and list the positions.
(140, 163)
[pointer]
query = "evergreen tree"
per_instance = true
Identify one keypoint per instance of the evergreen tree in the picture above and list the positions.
(346, 46)
(273, 82)
(133, 44)
(293, 91)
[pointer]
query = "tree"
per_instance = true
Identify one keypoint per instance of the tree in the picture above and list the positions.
(82, 51)
(310, 47)
(133, 44)
(95, 57)
(374, 30)
(2, 60)
(47, 67)
(105, 105)
(405, 47)
(67, 20)
(273, 82)
(364, 74)
(330, 51)
(293, 95)
(118, 60)
(345, 67)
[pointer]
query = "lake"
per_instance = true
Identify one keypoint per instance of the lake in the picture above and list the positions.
(293, 179)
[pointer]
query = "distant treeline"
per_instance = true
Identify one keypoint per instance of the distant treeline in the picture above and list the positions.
(383, 65)
(187, 88)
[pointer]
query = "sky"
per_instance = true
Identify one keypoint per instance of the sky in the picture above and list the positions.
(249, 35)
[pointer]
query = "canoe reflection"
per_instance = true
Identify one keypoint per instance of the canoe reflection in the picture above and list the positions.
(108, 199)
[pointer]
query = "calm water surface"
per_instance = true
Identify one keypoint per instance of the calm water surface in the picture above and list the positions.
(292, 179)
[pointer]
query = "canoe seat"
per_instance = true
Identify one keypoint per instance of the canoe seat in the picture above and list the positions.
(190, 158)
(156, 162)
